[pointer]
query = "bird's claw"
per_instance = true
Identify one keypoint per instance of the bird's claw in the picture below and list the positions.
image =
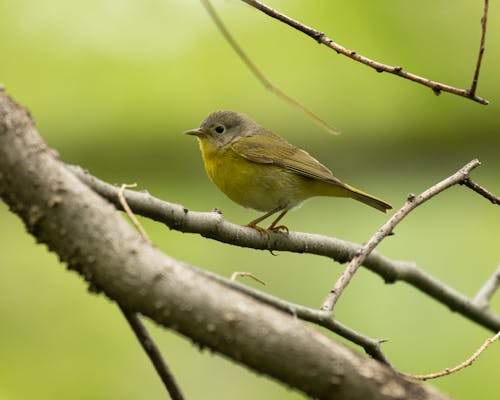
(263, 231)
(279, 228)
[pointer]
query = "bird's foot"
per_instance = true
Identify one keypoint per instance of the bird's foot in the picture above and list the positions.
(263, 231)
(279, 228)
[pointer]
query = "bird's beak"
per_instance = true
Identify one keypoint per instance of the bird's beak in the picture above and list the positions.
(196, 132)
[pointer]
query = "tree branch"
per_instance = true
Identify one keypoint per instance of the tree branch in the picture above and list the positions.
(153, 353)
(487, 291)
(321, 318)
(481, 190)
(413, 201)
(133, 319)
(212, 225)
(320, 37)
(90, 236)
(480, 54)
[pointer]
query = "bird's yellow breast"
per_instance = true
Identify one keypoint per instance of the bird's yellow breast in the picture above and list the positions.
(262, 187)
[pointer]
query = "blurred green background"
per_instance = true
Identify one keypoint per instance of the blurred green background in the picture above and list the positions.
(112, 84)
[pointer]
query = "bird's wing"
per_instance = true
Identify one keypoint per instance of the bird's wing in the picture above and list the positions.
(268, 148)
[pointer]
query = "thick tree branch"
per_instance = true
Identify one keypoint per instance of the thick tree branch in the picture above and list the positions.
(320, 37)
(213, 226)
(90, 236)
(321, 318)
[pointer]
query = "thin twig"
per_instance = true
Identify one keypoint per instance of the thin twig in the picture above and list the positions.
(236, 275)
(484, 21)
(481, 190)
(466, 363)
(487, 291)
(153, 353)
(320, 37)
(213, 226)
(387, 229)
(129, 212)
(259, 75)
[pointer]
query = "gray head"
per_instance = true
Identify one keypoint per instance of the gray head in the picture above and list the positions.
(222, 127)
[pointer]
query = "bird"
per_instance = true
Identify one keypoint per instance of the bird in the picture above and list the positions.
(259, 169)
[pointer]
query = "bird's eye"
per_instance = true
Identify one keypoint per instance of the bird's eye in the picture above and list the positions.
(219, 129)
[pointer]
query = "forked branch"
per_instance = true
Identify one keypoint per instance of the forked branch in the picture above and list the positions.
(411, 203)
(212, 225)
(110, 255)
(320, 37)
(487, 291)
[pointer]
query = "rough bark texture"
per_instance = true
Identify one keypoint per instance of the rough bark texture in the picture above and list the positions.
(91, 237)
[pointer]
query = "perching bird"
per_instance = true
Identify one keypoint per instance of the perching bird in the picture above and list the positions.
(258, 169)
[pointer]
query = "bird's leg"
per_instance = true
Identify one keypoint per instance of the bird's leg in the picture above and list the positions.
(273, 226)
(253, 224)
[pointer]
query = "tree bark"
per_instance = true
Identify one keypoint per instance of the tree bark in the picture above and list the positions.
(90, 236)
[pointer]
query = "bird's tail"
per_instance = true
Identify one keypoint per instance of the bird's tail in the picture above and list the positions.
(368, 199)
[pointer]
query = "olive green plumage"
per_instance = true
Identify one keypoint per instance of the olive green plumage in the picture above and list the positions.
(258, 169)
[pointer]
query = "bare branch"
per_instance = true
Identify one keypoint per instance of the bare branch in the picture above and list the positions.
(153, 353)
(481, 190)
(387, 229)
(466, 363)
(321, 318)
(212, 225)
(137, 326)
(258, 73)
(487, 291)
(320, 37)
(107, 252)
(484, 21)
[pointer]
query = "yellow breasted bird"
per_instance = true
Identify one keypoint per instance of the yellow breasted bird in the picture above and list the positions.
(258, 169)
